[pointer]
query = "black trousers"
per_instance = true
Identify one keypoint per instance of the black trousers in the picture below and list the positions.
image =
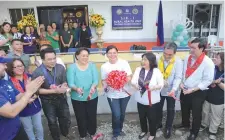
(170, 111)
(21, 135)
(85, 43)
(148, 114)
(194, 102)
(57, 110)
(86, 113)
(65, 49)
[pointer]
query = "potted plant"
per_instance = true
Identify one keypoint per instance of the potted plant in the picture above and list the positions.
(97, 21)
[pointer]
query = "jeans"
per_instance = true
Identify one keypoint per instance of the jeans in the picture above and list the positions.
(170, 111)
(118, 108)
(57, 110)
(31, 124)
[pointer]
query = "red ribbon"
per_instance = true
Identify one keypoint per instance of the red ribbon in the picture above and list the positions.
(175, 98)
(149, 95)
(99, 135)
(89, 97)
(171, 94)
(126, 92)
(116, 79)
(191, 69)
(17, 84)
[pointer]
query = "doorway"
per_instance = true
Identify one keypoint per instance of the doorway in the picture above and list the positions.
(61, 14)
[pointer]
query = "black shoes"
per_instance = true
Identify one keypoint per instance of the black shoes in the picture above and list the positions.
(142, 135)
(202, 128)
(191, 137)
(123, 134)
(181, 126)
(167, 133)
(158, 126)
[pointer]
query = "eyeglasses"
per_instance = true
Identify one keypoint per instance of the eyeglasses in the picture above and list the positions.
(16, 67)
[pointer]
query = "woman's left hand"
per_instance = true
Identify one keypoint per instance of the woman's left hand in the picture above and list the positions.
(92, 90)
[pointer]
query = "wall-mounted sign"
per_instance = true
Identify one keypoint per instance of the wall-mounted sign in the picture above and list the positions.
(127, 17)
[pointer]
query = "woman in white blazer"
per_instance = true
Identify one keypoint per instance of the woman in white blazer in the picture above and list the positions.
(149, 81)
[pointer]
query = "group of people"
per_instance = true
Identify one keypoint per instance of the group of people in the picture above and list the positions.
(32, 39)
(156, 80)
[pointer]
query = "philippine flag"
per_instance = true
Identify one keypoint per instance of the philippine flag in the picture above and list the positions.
(159, 24)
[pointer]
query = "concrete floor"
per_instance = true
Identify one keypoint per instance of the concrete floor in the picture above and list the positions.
(131, 128)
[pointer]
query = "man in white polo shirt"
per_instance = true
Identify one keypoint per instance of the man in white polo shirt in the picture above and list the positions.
(198, 74)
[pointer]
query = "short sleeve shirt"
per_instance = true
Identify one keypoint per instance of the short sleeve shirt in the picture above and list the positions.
(8, 126)
(121, 65)
(54, 43)
(66, 35)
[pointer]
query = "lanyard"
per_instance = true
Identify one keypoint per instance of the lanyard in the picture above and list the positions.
(47, 75)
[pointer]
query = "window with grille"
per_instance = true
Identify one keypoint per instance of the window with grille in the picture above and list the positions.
(17, 14)
(211, 28)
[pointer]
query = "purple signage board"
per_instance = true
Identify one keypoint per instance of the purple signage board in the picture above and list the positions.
(127, 17)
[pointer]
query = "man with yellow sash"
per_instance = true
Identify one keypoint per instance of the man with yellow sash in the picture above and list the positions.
(198, 74)
(171, 68)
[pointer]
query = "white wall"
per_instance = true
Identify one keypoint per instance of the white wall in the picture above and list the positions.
(171, 10)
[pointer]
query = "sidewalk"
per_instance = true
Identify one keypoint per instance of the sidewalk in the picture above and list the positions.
(131, 128)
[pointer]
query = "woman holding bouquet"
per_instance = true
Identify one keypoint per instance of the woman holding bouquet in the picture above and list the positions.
(31, 115)
(83, 80)
(149, 80)
(118, 99)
